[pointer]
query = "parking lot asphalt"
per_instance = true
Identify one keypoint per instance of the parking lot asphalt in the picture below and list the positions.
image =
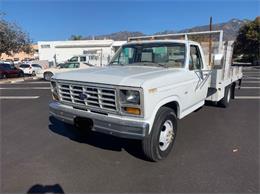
(216, 150)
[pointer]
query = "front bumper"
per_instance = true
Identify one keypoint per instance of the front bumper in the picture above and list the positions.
(101, 123)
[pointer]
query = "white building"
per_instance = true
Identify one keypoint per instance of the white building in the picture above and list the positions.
(98, 52)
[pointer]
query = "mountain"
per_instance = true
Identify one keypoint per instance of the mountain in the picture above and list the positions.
(230, 28)
(117, 36)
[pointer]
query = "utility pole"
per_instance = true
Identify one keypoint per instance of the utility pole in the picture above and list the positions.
(210, 40)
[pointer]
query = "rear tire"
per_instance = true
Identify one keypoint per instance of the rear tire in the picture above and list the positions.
(233, 90)
(21, 74)
(2, 76)
(224, 102)
(33, 73)
(158, 144)
(47, 76)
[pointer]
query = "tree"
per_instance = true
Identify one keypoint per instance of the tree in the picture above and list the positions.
(13, 39)
(248, 41)
(75, 37)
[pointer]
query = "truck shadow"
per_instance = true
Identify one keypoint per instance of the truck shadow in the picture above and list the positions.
(96, 139)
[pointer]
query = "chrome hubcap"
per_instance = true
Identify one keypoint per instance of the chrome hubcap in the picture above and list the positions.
(166, 135)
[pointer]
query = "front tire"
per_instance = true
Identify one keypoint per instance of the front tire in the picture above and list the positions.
(158, 144)
(47, 76)
(2, 76)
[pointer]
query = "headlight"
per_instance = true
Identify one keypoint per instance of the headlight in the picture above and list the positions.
(130, 102)
(130, 97)
(54, 91)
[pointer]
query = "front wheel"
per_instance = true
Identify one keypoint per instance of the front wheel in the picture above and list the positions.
(47, 76)
(2, 76)
(158, 144)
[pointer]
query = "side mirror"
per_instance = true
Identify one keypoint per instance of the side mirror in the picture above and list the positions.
(218, 60)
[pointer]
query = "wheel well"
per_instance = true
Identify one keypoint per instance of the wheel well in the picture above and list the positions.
(175, 106)
(47, 72)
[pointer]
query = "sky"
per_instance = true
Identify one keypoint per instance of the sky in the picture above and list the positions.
(50, 20)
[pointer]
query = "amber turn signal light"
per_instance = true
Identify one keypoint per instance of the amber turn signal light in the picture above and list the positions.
(135, 111)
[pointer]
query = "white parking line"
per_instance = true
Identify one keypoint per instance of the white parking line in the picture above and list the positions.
(250, 81)
(248, 87)
(250, 78)
(21, 88)
(251, 75)
(257, 76)
(256, 72)
(18, 97)
(248, 97)
(25, 83)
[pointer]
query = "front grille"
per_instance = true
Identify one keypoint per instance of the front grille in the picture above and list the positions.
(95, 97)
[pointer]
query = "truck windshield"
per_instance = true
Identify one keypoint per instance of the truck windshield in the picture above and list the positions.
(169, 55)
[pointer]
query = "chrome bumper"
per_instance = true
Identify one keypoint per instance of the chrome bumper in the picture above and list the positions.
(101, 123)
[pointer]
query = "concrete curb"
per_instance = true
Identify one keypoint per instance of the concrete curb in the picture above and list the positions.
(16, 80)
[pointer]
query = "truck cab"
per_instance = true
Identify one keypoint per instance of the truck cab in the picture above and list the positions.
(146, 88)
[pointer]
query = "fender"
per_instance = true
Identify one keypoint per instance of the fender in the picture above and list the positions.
(164, 101)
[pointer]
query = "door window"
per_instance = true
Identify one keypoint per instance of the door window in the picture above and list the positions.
(195, 62)
(24, 66)
(5, 67)
(83, 58)
(36, 66)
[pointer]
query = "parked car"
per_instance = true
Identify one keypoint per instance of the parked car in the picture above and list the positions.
(8, 70)
(46, 74)
(93, 59)
(30, 69)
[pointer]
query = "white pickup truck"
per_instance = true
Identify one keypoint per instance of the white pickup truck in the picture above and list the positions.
(149, 85)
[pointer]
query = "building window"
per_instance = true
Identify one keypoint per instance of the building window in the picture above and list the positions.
(82, 58)
(45, 46)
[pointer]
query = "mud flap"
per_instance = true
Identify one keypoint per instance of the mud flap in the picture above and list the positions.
(239, 83)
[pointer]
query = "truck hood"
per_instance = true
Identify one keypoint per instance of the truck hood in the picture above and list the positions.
(134, 76)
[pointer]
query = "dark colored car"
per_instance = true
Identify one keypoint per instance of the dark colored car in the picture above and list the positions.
(8, 70)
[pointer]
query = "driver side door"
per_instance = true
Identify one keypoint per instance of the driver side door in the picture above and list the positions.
(200, 76)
